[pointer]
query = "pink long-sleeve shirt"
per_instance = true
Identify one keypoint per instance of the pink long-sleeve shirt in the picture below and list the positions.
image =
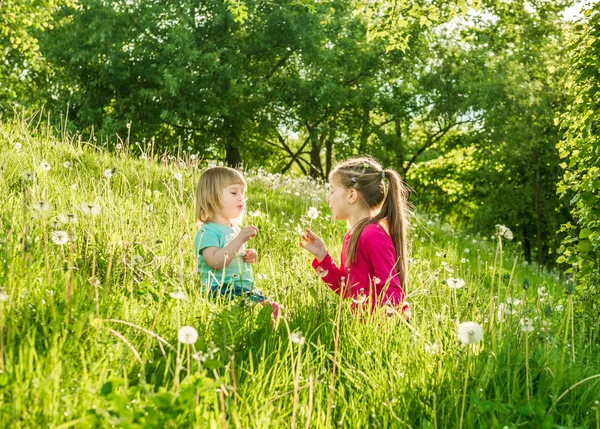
(372, 278)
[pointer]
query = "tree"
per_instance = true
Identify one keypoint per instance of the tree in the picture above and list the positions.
(503, 169)
(25, 72)
(580, 155)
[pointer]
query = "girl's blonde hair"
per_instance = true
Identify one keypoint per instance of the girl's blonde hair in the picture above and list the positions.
(210, 187)
(367, 177)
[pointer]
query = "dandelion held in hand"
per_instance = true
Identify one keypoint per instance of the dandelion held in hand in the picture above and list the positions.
(187, 335)
(470, 332)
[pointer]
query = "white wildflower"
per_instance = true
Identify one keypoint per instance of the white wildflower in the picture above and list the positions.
(109, 173)
(526, 325)
(89, 209)
(470, 332)
(455, 283)
(42, 207)
(187, 335)
(312, 213)
(178, 177)
(28, 175)
(44, 166)
(177, 294)
(60, 237)
(297, 338)
(467, 250)
(67, 164)
(504, 231)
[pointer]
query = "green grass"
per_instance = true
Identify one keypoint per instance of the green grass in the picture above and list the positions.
(88, 329)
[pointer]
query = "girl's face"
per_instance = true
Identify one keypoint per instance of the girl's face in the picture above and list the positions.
(232, 201)
(338, 199)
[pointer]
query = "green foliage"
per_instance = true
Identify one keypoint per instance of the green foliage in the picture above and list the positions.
(580, 155)
(500, 83)
(25, 73)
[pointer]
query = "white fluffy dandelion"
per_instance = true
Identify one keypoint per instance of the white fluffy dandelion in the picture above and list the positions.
(109, 173)
(89, 209)
(297, 338)
(526, 325)
(178, 177)
(504, 231)
(455, 283)
(470, 332)
(60, 237)
(44, 166)
(28, 175)
(187, 335)
(68, 218)
(177, 295)
(312, 213)
(42, 207)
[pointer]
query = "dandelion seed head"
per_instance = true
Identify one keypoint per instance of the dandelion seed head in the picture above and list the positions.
(44, 166)
(177, 294)
(297, 338)
(312, 213)
(187, 335)
(60, 237)
(455, 283)
(28, 175)
(470, 332)
(89, 209)
(42, 207)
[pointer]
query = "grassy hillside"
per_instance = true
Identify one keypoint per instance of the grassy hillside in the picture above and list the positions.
(98, 276)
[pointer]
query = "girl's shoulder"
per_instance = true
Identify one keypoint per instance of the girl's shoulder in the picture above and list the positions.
(374, 231)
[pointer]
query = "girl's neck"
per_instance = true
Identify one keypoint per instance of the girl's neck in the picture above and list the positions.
(221, 220)
(358, 215)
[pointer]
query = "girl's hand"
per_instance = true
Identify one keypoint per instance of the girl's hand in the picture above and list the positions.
(248, 232)
(313, 243)
(250, 257)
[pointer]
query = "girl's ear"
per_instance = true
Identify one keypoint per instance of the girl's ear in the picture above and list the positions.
(353, 196)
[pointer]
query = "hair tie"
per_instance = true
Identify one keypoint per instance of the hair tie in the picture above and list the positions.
(383, 174)
(353, 179)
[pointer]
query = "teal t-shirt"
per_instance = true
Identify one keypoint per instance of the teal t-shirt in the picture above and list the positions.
(237, 273)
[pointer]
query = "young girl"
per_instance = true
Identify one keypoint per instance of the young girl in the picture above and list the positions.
(374, 253)
(224, 261)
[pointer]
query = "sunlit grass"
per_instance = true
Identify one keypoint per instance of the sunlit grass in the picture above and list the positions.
(89, 319)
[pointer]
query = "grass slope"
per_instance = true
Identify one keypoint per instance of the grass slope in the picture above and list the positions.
(88, 328)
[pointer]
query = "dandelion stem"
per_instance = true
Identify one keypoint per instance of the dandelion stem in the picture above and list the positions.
(527, 363)
(464, 398)
(296, 378)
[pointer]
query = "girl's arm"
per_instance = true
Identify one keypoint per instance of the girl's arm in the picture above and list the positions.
(323, 263)
(219, 257)
(332, 275)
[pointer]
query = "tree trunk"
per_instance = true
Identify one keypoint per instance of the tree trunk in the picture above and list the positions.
(526, 245)
(232, 153)
(329, 153)
(364, 133)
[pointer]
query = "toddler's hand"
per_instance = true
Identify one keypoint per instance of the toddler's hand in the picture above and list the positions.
(313, 243)
(250, 257)
(248, 232)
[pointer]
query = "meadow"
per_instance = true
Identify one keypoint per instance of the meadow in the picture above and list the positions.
(98, 277)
